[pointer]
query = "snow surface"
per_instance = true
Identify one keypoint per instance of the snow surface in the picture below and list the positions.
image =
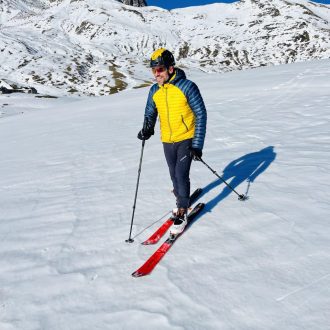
(67, 180)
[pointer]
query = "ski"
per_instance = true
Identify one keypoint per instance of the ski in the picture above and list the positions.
(152, 262)
(160, 232)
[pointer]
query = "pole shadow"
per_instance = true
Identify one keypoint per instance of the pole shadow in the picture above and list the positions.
(247, 167)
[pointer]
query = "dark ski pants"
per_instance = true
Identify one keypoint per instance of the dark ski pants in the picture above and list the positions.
(178, 159)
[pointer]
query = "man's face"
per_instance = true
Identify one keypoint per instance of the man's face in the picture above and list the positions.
(162, 74)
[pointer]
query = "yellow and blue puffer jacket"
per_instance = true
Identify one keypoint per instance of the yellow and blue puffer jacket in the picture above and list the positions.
(181, 110)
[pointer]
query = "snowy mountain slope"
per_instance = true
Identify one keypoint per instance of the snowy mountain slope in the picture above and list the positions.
(100, 47)
(67, 184)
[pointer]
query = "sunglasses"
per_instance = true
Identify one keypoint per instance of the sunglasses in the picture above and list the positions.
(158, 69)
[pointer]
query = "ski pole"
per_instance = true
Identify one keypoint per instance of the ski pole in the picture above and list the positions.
(241, 197)
(130, 240)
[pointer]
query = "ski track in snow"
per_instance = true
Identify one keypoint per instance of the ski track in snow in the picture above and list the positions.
(302, 288)
(67, 181)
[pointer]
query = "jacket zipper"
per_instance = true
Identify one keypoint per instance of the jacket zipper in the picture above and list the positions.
(168, 115)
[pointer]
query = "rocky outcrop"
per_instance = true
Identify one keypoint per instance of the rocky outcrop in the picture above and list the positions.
(7, 87)
(135, 3)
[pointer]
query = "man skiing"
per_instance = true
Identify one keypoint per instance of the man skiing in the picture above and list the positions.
(183, 117)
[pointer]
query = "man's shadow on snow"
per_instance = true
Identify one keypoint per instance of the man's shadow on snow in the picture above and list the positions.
(246, 168)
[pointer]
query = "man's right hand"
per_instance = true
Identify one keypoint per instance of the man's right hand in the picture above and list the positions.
(146, 132)
(143, 135)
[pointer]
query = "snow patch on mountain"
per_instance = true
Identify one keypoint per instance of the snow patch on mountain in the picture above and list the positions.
(97, 47)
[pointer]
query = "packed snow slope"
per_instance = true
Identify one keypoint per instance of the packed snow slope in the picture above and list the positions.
(67, 180)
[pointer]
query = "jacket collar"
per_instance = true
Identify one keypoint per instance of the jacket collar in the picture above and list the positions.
(178, 75)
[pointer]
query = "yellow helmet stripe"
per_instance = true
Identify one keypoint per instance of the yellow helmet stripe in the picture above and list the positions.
(157, 53)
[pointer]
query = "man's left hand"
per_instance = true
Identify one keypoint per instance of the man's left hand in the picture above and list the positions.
(196, 153)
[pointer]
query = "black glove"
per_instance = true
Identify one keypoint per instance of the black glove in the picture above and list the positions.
(146, 131)
(196, 153)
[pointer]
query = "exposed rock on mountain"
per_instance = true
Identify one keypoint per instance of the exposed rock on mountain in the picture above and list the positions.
(97, 47)
(135, 3)
(7, 87)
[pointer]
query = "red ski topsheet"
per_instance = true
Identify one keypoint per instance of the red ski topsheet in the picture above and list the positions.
(159, 233)
(152, 262)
